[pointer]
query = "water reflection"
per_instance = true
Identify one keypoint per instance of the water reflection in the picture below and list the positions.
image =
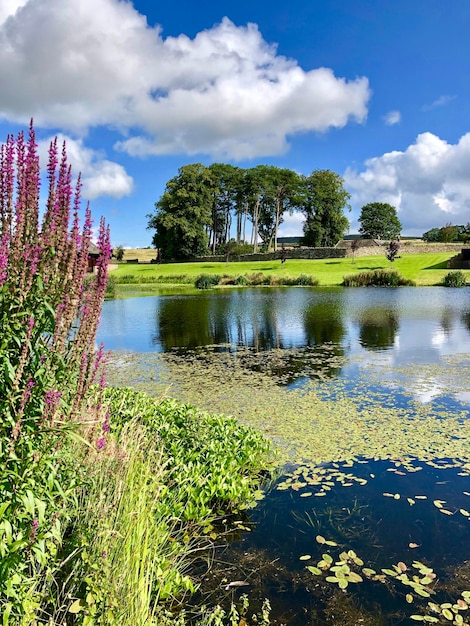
(378, 328)
(331, 332)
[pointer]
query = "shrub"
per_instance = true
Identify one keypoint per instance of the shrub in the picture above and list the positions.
(309, 281)
(143, 279)
(227, 280)
(110, 288)
(376, 278)
(206, 281)
(258, 278)
(454, 279)
(241, 280)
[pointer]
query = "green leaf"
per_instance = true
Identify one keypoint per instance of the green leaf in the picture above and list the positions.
(77, 606)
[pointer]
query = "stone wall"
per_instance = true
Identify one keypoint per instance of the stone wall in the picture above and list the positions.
(291, 253)
(378, 247)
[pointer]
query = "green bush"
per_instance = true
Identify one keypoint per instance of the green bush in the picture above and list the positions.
(454, 279)
(110, 288)
(309, 281)
(241, 280)
(376, 278)
(206, 281)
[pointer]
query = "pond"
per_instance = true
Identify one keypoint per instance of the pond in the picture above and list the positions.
(366, 394)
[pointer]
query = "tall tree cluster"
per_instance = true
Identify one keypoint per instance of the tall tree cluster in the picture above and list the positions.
(448, 233)
(203, 206)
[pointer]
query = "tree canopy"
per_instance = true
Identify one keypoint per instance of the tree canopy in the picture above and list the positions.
(379, 220)
(184, 213)
(448, 233)
(196, 211)
(324, 201)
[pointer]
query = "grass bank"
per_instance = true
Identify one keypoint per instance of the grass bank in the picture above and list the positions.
(424, 269)
(152, 502)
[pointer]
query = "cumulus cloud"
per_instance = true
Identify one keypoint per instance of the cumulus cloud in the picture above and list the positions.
(100, 177)
(227, 92)
(392, 118)
(428, 183)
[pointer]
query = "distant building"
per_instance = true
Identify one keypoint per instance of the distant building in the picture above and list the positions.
(290, 241)
(93, 256)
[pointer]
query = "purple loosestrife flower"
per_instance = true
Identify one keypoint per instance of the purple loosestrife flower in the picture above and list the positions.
(51, 403)
(101, 443)
(34, 530)
(4, 258)
(106, 427)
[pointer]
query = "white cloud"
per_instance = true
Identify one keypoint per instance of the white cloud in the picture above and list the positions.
(226, 92)
(392, 118)
(100, 177)
(440, 102)
(292, 226)
(428, 183)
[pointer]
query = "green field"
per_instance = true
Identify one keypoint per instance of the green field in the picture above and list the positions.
(425, 269)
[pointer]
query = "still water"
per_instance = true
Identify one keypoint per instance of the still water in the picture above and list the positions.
(368, 392)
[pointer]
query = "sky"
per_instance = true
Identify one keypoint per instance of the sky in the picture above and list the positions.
(375, 90)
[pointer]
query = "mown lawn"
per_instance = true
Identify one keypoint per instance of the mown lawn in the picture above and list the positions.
(424, 269)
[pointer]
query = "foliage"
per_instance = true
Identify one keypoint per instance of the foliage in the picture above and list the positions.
(448, 233)
(323, 203)
(225, 190)
(454, 279)
(379, 278)
(118, 253)
(213, 459)
(197, 209)
(379, 220)
(130, 552)
(139, 279)
(149, 501)
(206, 281)
(392, 250)
(184, 213)
(49, 314)
(111, 290)
(237, 249)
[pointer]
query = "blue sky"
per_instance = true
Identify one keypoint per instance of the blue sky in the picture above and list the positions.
(377, 91)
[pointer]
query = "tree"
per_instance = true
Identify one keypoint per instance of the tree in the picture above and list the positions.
(324, 200)
(448, 233)
(118, 253)
(431, 235)
(226, 179)
(379, 220)
(392, 250)
(184, 213)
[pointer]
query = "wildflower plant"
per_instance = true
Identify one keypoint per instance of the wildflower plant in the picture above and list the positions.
(49, 312)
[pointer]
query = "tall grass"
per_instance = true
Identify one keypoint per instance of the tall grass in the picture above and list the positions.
(129, 557)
